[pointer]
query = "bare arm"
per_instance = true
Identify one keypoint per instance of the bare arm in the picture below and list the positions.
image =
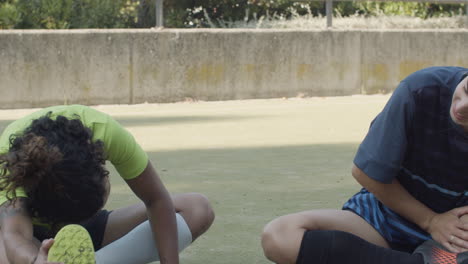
(161, 213)
(17, 232)
(441, 226)
(397, 198)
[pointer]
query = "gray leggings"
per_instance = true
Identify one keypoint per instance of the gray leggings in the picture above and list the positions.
(138, 246)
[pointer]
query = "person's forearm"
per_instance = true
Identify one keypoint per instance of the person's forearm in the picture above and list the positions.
(17, 232)
(397, 198)
(19, 250)
(161, 215)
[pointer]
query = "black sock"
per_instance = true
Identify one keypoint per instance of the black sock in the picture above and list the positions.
(337, 247)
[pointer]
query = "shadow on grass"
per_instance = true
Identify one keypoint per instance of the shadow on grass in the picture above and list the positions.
(275, 172)
(248, 187)
(164, 120)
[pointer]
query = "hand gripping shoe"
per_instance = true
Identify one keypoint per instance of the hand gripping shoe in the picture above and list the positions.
(435, 253)
(72, 245)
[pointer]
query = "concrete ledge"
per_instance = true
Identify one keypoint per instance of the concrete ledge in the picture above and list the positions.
(41, 67)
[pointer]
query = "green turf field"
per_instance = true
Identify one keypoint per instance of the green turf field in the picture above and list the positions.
(254, 159)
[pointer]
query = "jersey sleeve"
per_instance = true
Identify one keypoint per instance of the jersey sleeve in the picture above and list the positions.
(127, 156)
(18, 192)
(4, 146)
(382, 151)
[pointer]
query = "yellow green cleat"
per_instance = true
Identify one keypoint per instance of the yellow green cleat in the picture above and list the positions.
(72, 245)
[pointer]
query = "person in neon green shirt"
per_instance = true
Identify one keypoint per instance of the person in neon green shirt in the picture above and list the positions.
(52, 173)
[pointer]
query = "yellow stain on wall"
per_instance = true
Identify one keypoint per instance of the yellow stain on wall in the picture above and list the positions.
(461, 63)
(376, 71)
(208, 73)
(304, 70)
(86, 89)
(407, 67)
(257, 72)
(250, 68)
(373, 75)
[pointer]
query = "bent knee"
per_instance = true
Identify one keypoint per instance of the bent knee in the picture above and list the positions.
(202, 206)
(281, 242)
(206, 209)
(197, 212)
(270, 242)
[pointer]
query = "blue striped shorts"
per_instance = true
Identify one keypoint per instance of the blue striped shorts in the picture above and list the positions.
(399, 232)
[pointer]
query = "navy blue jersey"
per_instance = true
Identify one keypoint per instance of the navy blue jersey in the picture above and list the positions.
(415, 141)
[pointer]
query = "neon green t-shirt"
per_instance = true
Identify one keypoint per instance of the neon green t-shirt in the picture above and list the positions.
(120, 147)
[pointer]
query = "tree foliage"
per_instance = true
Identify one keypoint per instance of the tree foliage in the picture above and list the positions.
(64, 14)
(9, 15)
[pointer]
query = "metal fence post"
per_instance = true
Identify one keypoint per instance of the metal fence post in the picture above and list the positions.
(329, 11)
(159, 13)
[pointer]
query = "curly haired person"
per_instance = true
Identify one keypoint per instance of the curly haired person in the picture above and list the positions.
(53, 174)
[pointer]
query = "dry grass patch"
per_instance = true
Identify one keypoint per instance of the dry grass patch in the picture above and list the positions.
(351, 22)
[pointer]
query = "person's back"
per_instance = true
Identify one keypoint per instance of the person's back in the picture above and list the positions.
(53, 174)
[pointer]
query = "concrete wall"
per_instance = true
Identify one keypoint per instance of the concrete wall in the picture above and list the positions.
(40, 68)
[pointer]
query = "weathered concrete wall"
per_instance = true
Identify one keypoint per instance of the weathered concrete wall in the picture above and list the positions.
(389, 56)
(39, 68)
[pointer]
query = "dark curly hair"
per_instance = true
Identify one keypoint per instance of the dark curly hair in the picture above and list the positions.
(60, 168)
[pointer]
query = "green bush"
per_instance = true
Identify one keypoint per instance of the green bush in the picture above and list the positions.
(9, 15)
(44, 13)
(63, 14)
(210, 13)
(215, 13)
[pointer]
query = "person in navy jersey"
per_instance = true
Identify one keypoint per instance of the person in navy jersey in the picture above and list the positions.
(413, 167)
